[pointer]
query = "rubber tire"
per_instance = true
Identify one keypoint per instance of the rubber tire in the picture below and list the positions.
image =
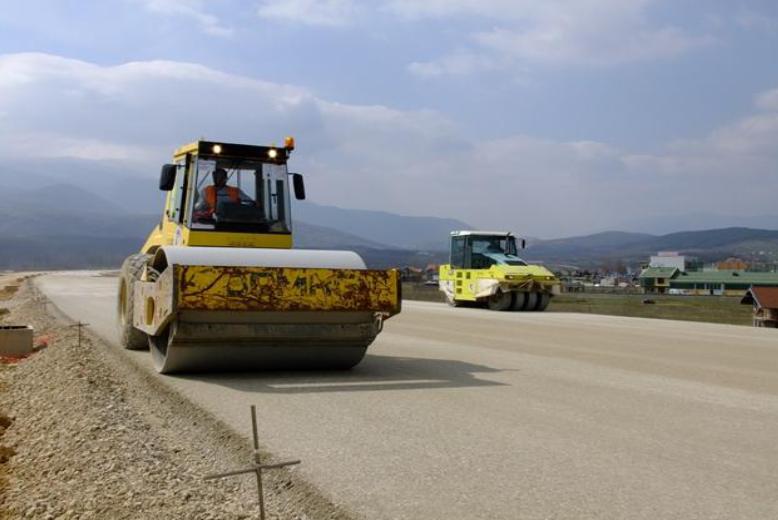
(519, 301)
(543, 301)
(531, 302)
(130, 337)
(500, 301)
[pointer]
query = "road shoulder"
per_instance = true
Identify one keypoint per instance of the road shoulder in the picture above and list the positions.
(94, 436)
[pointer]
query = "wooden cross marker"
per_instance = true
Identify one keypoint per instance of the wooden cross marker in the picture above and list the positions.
(256, 468)
(80, 325)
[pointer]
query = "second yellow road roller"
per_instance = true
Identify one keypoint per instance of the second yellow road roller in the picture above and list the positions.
(484, 268)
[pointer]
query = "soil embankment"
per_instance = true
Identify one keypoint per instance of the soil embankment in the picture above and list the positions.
(84, 434)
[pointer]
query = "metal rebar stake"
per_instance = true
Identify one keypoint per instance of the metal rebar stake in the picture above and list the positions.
(78, 326)
(257, 467)
(258, 463)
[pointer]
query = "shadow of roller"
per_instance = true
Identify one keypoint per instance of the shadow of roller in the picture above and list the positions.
(375, 373)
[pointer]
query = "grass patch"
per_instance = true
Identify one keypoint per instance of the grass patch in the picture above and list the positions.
(711, 309)
(427, 293)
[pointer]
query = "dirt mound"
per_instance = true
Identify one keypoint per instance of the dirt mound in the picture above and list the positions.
(94, 438)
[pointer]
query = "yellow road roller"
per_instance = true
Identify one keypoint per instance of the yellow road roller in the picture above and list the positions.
(217, 285)
(484, 268)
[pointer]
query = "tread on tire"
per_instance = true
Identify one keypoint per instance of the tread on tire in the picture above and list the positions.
(132, 269)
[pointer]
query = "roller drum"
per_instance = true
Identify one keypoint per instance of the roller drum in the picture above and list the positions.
(226, 319)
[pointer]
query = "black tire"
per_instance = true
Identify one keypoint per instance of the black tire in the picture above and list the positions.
(500, 301)
(531, 301)
(543, 301)
(519, 301)
(130, 337)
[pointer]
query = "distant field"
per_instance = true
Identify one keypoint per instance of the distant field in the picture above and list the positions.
(713, 309)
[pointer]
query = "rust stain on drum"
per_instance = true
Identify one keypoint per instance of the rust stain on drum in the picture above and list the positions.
(287, 289)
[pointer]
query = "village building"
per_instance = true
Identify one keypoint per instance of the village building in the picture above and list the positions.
(732, 264)
(411, 274)
(431, 273)
(670, 280)
(668, 259)
(720, 283)
(669, 272)
(765, 303)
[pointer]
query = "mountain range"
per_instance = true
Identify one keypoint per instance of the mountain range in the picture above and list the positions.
(66, 226)
(633, 249)
(668, 224)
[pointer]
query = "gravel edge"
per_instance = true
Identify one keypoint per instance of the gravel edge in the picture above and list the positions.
(90, 443)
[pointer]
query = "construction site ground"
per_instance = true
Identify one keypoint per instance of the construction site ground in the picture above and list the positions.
(455, 413)
(708, 309)
(84, 434)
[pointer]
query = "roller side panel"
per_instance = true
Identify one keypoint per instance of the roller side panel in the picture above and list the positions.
(155, 303)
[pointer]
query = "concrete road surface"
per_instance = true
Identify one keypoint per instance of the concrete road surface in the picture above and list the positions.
(466, 413)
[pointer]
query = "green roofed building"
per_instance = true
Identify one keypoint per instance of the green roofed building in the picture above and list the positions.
(670, 280)
(657, 279)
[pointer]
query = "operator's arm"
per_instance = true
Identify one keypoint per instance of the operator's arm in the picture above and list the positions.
(201, 204)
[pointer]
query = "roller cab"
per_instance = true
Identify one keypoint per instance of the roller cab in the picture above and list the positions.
(484, 268)
(218, 287)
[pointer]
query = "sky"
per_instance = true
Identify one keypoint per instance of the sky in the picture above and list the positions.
(551, 118)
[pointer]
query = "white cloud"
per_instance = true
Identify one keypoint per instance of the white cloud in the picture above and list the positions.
(413, 162)
(512, 34)
(553, 32)
(193, 9)
(41, 145)
(567, 32)
(768, 100)
(751, 20)
(310, 12)
(567, 45)
(412, 9)
(153, 103)
(456, 64)
(732, 170)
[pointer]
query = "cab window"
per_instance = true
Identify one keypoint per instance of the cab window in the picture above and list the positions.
(458, 252)
(177, 194)
(244, 195)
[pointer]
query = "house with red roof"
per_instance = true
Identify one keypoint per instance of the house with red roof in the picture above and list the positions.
(765, 302)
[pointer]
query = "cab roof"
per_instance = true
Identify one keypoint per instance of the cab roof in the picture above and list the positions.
(216, 150)
(475, 232)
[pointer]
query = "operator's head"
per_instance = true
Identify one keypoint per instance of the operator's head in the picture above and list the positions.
(219, 177)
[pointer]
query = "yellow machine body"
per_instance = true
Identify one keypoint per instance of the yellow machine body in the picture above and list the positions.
(475, 284)
(494, 275)
(209, 292)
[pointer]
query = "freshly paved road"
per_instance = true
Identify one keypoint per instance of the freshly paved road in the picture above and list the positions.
(465, 413)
